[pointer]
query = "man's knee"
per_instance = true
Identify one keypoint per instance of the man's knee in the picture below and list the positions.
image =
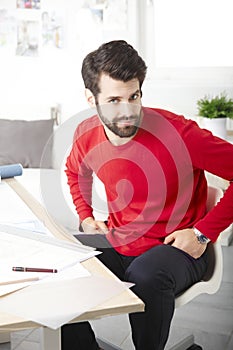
(151, 279)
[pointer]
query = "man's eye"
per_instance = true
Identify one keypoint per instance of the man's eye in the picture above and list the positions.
(113, 100)
(134, 97)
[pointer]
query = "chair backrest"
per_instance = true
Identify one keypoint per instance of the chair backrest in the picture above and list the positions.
(213, 276)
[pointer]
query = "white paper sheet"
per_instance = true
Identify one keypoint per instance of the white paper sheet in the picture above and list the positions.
(20, 251)
(30, 252)
(73, 272)
(12, 208)
(53, 304)
(10, 288)
(12, 277)
(31, 226)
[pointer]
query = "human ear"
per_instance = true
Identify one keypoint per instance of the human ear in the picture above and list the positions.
(90, 97)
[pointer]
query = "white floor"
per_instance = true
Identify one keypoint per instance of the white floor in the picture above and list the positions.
(208, 318)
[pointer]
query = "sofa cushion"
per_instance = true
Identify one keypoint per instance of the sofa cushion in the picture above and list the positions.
(24, 142)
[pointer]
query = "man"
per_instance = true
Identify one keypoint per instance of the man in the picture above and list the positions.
(152, 165)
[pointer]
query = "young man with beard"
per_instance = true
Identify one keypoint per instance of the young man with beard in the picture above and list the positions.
(152, 164)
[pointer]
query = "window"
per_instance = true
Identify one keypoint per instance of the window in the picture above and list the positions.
(194, 33)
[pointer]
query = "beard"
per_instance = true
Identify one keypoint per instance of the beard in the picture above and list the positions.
(124, 126)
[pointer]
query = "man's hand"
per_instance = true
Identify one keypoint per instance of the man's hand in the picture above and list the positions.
(186, 240)
(90, 225)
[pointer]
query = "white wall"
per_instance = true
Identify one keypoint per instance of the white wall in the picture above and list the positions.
(30, 86)
(180, 91)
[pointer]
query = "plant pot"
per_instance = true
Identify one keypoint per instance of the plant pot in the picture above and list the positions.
(218, 126)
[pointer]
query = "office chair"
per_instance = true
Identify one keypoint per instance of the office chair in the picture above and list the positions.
(209, 284)
(212, 279)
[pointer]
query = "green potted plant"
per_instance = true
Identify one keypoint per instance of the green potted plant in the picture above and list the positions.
(215, 111)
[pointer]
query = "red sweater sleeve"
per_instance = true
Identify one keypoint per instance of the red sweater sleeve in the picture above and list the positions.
(214, 155)
(79, 180)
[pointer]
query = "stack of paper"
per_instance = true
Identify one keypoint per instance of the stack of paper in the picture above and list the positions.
(20, 248)
(56, 298)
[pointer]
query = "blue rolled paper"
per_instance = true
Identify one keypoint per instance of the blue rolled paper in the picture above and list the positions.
(10, 170)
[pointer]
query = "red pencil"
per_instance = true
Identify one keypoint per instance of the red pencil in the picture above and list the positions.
(33, 269)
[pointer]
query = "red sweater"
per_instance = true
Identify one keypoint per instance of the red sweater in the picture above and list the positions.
(155, 183)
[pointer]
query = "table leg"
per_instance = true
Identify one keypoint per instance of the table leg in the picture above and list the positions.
(50, 339)
(5, 337)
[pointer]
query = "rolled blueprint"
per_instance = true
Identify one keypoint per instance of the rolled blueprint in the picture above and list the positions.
(10, 170)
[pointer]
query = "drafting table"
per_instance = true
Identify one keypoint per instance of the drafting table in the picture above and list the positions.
(126, 302)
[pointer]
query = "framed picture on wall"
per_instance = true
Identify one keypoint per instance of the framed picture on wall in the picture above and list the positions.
(37, 28)
(28, 4)
(28, 33)
(7, 30)
(52, 29)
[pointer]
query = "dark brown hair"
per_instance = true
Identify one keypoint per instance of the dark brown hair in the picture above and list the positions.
(116, 58)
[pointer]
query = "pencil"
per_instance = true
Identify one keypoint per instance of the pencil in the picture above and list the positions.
(33, 269)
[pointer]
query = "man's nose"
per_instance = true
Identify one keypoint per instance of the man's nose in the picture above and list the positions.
(126, 109)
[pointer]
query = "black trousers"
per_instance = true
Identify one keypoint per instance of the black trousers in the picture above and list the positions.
(159, 274)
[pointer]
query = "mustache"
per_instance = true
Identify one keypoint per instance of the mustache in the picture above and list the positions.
(126, 118)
